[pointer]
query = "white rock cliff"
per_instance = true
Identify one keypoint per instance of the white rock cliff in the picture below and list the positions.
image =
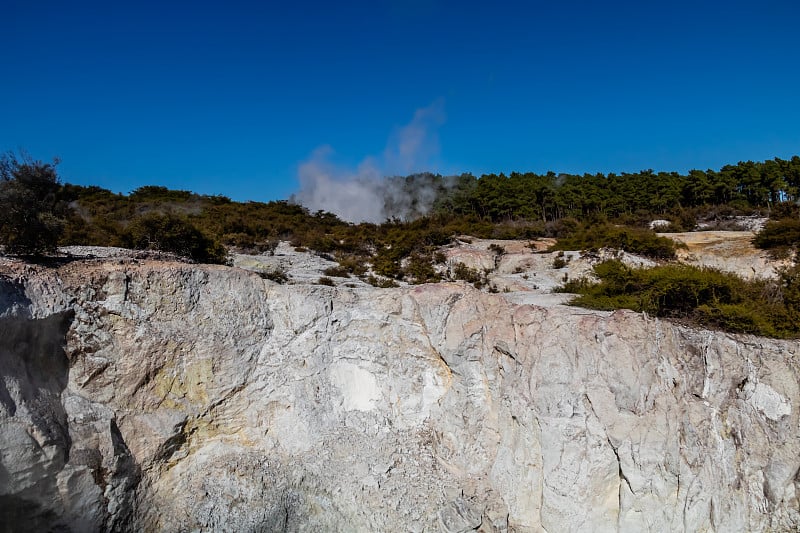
(158, 396)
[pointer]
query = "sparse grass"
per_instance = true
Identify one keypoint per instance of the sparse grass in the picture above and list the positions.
(276, 275)
(336, 272)
(381, 283)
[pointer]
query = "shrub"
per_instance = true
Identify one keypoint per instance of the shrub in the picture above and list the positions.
(385, 265)
(352, 264)
(562, 228)
(706, 297)
(336, 272)
(420, 270)
(784, 233)
(326, 281)
(277, 275)
(381, 283)
(470, 275)
(633, 240)
(175, 234)
(31, 218)
(497, 249)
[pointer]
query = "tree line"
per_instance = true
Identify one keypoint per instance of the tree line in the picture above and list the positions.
(38, 212)
(745, 186)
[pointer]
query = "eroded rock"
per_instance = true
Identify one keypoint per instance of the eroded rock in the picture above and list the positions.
(142, 395)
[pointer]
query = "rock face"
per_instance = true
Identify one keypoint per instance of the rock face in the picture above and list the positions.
(157, 396)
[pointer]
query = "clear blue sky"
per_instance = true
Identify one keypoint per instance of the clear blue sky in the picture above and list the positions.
(231, 97)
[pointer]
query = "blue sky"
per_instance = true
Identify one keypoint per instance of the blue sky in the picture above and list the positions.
(233, 98)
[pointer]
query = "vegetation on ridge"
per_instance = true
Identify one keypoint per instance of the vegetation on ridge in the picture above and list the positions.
(30, 211)
(519, 205)
(633, 240)
(699, 296)
(585, 212)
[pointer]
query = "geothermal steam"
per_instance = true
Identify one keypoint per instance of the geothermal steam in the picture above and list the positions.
(364, 194)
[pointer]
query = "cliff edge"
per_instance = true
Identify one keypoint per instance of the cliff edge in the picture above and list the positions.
(161, 396)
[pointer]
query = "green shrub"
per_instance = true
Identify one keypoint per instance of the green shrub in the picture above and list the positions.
(352, 264)
(740, 318)
(633, 240)
(174, 234)
(470, 275)
(419, 269)
(784, 233)
(277, 275)
(705, 297)
(560, 261)
(326, 281)
(465, 273)
(31, 217)
(381, 283)
(336, 272)
(385, 265)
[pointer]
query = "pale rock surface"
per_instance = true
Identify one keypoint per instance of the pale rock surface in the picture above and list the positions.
(729, 251)
(527, 269)
(300, 267)
(139, 395)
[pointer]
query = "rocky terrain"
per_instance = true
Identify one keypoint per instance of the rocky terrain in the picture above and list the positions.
(730, 251)
(139, 394)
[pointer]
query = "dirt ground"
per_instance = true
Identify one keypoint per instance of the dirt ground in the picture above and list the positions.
(731, 251)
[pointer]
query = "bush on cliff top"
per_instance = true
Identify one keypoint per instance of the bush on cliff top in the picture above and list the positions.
(175, 234)
(31, 217)
(783, 234)
(704, 297)
(633, 240)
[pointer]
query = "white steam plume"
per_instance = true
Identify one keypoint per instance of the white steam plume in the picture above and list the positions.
(360, 194)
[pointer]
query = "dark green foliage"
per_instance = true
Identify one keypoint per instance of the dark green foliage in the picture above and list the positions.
(585, 211)
(470, 275)
(784, 233)
(634, 240)
(420, 269)
(785, 210)
(31, 215)
(157, 193)
(706, 297)
(627, 198)
(97, 216)
(174, 234)
(352, 264)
